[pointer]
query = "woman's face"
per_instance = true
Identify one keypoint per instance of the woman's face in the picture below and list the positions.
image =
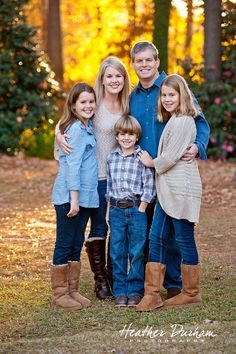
(113, 81)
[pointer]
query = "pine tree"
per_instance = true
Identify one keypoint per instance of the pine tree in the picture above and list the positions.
(27, 90)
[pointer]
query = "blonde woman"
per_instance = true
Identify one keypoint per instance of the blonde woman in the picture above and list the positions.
(112, 87)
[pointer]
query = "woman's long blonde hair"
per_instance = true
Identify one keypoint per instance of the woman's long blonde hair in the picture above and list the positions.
(70, 115)
(186, 104)
(114, 63)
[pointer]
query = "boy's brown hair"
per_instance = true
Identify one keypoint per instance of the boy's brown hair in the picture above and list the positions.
(128, 124)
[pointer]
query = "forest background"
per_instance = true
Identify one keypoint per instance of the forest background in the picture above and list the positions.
(48, 45)
(45, 47)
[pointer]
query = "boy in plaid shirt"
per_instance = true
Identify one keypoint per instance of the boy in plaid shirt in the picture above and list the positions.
(130, 187)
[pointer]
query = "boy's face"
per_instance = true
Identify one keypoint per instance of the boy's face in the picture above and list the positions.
(127, 141)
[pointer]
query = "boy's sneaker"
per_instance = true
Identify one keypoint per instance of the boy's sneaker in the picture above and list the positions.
(134, 300)
(121, 301)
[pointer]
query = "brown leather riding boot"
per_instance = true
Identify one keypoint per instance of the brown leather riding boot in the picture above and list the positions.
(154, 277)
(96, 251)
(59, 281)
(73, 281)
(190, 294)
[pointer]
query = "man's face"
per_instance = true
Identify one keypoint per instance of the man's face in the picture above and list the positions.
(145, 65)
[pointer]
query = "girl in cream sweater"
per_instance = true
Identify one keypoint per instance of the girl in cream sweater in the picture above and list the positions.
(179, 197)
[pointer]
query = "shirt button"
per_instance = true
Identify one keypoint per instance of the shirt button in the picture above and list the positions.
(122, 189)
(122, 168)
(122, 179)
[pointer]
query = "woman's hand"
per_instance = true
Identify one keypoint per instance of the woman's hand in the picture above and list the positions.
(61, 140)
(145, 158)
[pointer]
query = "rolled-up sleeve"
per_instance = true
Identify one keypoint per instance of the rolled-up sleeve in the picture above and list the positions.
(203, 131)
(74, 159)
(149, 190)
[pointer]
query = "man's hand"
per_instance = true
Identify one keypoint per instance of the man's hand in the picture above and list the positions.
(145, 158)
(61, 140)
(190, 153)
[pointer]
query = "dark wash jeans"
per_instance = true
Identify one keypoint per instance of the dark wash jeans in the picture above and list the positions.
(173, 256)
(98, 227)
(159, 237)
(69, 234)
(127, 241)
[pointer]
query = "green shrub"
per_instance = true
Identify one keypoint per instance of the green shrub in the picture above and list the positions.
(218, 100)
(28, 91)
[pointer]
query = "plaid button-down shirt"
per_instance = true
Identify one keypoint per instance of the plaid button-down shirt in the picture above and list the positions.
(127, 177)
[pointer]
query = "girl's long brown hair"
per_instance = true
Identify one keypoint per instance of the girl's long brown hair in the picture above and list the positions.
(70, 115)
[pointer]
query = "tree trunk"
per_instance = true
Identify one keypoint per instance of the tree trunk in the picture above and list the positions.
(161, 29)
(189, 29)
(212, 40)
(54, 38)
(44, 7)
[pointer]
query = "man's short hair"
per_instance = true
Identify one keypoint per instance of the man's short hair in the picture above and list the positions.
(141, 47)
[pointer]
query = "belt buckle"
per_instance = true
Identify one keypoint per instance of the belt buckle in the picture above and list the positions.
(122, 205)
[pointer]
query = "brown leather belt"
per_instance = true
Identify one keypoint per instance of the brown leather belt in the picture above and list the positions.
(124, 203)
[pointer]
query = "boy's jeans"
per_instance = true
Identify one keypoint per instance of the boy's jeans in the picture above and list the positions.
(128, 236)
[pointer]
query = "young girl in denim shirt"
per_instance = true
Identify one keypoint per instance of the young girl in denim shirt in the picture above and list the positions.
(74, 196)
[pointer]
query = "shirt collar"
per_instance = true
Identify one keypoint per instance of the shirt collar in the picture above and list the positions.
(88, 128)
(156, 83)
(134, 153)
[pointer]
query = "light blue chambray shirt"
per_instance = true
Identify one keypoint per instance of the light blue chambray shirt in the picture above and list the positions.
(78, 171)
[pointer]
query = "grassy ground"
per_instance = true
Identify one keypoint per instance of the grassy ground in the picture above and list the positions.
(30, 325)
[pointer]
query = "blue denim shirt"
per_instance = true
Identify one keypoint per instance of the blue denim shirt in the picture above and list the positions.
(78, 171)
(143, 106)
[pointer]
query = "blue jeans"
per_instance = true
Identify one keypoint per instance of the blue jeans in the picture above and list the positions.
(173, 256)
(98, 228)
(127, 236)
(159, 237)
(69, 234)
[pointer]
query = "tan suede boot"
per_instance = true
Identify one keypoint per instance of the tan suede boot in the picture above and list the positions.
(154, 277)
(73, 281)
(59, 281)
(191, 285)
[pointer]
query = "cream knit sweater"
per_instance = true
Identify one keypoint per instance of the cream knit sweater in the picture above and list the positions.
(178, 183)
(103, 125)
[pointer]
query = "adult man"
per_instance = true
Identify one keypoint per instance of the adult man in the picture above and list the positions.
(143, 106)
